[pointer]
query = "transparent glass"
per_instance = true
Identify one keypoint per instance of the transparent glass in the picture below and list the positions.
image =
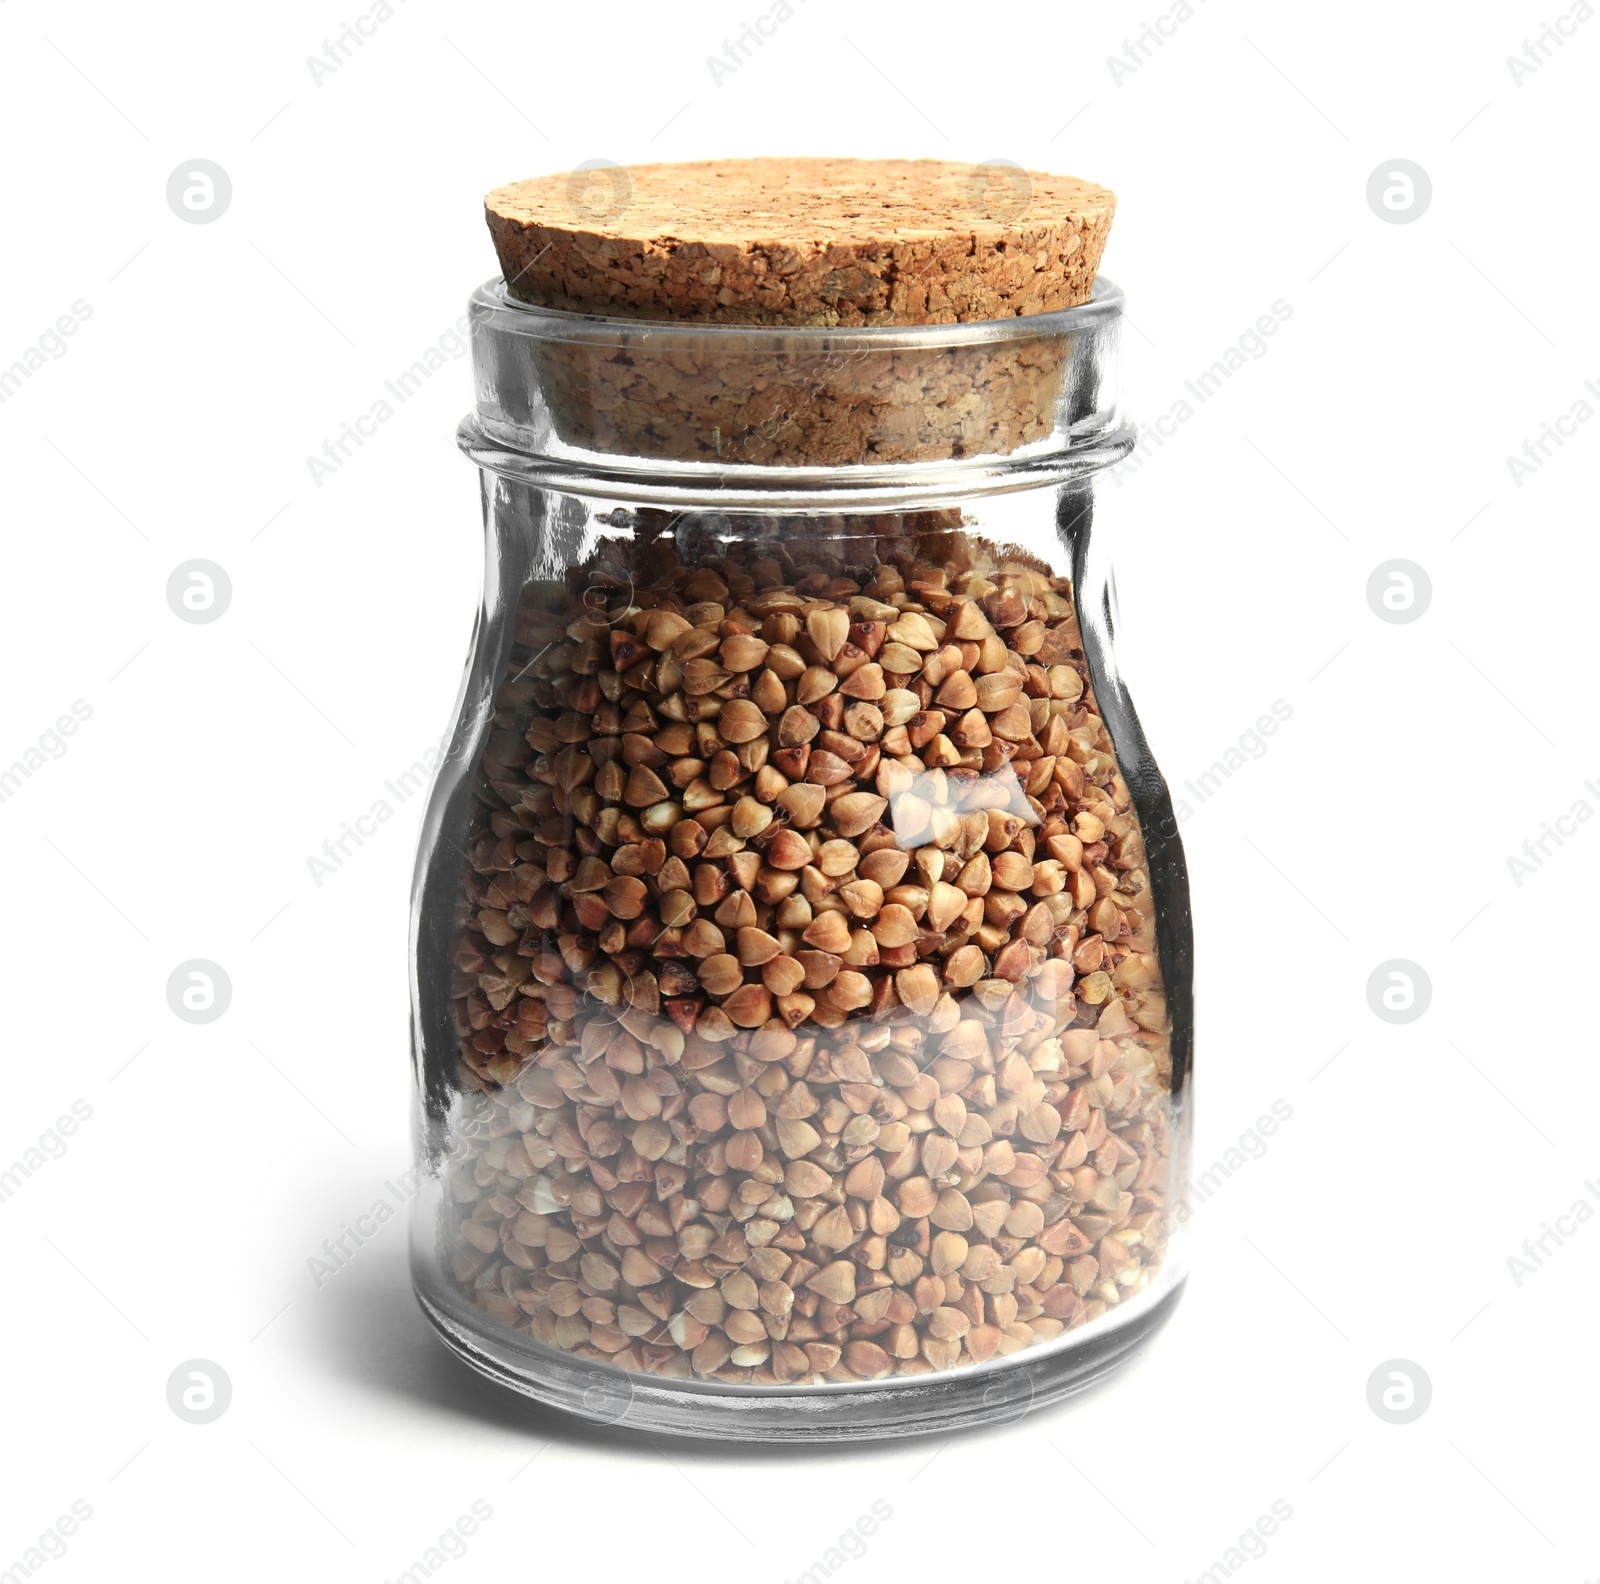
(802, 1008)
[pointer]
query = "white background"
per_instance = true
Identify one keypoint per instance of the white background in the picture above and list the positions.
(1377, 825)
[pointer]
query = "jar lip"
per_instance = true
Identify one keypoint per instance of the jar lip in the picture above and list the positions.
(492, 302)
(801, 491)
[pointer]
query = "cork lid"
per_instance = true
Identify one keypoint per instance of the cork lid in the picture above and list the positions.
(802, 241)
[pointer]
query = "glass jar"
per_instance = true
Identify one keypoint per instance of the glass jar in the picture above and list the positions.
(802, 1006)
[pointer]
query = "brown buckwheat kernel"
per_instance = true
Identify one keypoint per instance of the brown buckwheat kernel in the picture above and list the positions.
(811, 1022)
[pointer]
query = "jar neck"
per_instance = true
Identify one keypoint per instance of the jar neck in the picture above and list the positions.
(776, 418)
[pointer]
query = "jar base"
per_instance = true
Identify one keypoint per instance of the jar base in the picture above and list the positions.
(997, 1393)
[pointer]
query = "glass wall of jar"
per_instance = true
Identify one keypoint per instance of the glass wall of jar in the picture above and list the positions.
(802, 964)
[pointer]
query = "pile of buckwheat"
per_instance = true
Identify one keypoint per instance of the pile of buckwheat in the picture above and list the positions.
(811, 1023)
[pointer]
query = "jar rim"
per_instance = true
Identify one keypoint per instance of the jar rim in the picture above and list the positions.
(492, 301)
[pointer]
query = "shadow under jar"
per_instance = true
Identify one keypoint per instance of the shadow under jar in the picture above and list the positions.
(802, 957)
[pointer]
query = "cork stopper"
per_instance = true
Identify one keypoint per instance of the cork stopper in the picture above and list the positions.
(802, 241)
